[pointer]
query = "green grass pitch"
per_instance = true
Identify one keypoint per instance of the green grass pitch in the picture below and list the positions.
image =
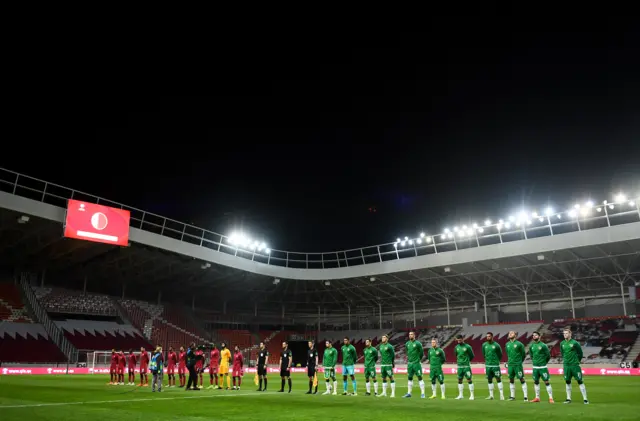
(75, 397)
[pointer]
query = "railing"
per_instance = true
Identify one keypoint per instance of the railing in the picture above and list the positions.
(54, 332)
(524, 228)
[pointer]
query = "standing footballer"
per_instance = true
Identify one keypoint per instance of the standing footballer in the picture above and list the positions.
(515, 357)
(370, 359)
(312, 367)
(263, 357)
(387, 364)
(436, 359)
(415, 352)
(464, 355)
(540, 356)
(286, 359)
(492, 355)
(329, 360)
(571, 357)
(349, 357)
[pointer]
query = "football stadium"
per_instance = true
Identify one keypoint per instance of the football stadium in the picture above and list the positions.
(97, 298)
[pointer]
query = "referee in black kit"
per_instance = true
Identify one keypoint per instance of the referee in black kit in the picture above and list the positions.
(312, 367)
(263, 357)
(286, 358)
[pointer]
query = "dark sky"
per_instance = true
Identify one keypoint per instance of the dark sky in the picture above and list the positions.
(445, 127)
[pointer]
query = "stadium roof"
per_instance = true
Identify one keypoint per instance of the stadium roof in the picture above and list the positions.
(598, 256)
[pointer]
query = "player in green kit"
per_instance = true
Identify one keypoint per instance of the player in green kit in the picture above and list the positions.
(571, 356)
(464, 355)
(387, 363)
(370, 359)
(515, 357)
(492, 356)
(436, 359)
(540, 356)
(329, 360)
(349, 358)
(415, 352)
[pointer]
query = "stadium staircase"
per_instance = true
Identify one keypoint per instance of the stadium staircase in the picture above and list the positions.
(634, 352)
(12, 308)
(122, 313)
(53, 331)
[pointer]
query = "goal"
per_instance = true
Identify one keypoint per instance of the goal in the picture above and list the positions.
(99, 362)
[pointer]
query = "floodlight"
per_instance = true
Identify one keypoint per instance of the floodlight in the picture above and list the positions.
(422, 235)
(632, 203)
(589, 204)
(487, 222)
(512, 218)
(480, 230)
(419, 240)
(470, 233)
(398, 240)
(475, 225)
(429, 239)
(548, 211)
(404, 243)
(577, 206)
(572, 214)
(507, 225)
(410, 242)
(534, 214)
(455, 229)
(621, 197)
(268, 251)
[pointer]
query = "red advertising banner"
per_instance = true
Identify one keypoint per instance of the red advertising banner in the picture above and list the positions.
(101, 224)
(7, 371)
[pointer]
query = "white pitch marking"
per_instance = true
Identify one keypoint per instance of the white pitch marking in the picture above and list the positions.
(38, 405)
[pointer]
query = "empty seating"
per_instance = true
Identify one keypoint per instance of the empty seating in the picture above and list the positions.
(99, 335)
(604, 340)
(27, 343)
(12, 308)
(58, 300)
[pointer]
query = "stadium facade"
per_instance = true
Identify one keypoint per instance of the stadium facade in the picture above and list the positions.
(556, 266)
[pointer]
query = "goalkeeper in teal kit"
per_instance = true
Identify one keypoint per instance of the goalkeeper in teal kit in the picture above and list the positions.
(415, 352)
(349, 357)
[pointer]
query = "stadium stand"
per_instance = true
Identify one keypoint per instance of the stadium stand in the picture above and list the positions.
(27, 343)
(162, 324)
(98, 335)
(604, 340)
(12, 308)
(58, 300)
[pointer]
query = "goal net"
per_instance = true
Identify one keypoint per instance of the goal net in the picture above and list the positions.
(99, 362)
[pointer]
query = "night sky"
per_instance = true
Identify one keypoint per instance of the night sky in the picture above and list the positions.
(350, 146)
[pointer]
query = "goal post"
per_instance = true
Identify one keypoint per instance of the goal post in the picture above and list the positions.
(99, 362)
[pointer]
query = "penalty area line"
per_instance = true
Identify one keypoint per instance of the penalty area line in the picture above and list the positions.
(172, 398)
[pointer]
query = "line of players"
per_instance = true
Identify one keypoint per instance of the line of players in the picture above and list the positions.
(219, 367)
(570, 349)
(219, 363)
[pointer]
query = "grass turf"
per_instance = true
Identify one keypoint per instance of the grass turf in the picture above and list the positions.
(75, 397)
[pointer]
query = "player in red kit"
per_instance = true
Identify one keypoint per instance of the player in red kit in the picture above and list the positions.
(214, 365)
(237, 370)
(122, 362)
(144, 367)
(113, 369)
(132, 368)
(182, 366)
(199, 367)
(171, 367)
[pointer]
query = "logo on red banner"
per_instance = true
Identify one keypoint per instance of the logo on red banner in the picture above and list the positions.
(101, 224)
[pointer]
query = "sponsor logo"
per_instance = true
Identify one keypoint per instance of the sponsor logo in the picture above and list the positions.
(603, 371)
